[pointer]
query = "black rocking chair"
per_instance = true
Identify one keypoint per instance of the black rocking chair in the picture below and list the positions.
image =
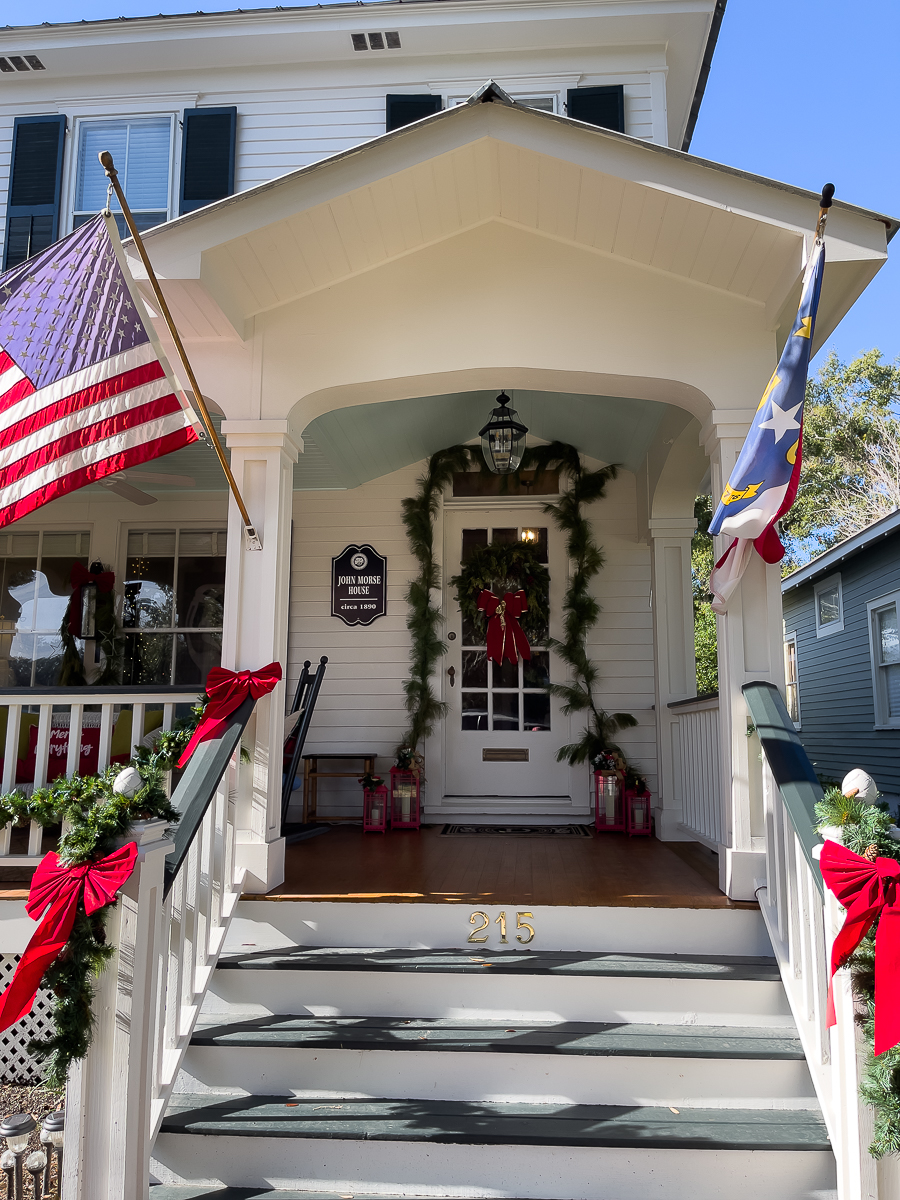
(302, 711)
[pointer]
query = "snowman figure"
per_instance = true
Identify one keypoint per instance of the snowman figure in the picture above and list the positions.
(861, 785)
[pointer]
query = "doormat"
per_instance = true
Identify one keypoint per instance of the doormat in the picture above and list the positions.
(522, 831)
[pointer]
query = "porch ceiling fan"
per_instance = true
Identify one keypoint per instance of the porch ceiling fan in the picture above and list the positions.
(121, 484)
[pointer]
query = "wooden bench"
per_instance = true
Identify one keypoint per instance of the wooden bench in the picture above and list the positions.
(312, 775)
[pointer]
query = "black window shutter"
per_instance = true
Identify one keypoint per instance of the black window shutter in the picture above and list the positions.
(35, 178)
(403, 110)
(207, 156)
(603, 106)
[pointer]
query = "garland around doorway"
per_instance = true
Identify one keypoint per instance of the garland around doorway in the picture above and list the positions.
(580, 609)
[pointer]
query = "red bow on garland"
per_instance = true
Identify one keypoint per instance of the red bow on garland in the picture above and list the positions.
(104, 580)
(60, 889)
(227, 691)
(505, 636)
(868, 890)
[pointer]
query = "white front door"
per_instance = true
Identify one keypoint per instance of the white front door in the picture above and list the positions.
(502, 729)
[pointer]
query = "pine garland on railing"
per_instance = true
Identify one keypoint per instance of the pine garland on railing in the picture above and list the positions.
(863, 825)
(95, 816)
(424, 617)
(580, 609)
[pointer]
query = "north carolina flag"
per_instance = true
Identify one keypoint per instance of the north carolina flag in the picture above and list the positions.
(763, 484)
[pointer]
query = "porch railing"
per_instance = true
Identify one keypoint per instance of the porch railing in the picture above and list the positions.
(52, 731)
(802, 919)
(697, 768)
(168, 929)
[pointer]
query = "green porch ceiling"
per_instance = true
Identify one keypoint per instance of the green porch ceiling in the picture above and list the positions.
(370, 440)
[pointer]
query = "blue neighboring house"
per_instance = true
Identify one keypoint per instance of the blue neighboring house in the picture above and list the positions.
(842, 655)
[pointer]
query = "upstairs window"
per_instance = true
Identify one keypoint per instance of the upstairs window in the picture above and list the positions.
(829, 600)
(884, 644)
(404, 109)
(174, 599)
(32, 210)
(142, 151)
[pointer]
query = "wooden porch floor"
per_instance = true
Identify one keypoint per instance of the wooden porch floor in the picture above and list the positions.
(422, 867)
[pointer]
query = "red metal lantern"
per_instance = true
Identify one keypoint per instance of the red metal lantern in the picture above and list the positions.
(637, 811)
(405, 803)
(375, 809)
(609, 810)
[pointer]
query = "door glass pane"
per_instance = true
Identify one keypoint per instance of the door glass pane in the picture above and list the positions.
(474, 710)
(536, 670)
(888, 641)
(505, 674)
(200, 592)
(473, 539)
(148, 658)
(474, 668)
(504, 537)
(506, 710)
(196, 654)
(536, 711)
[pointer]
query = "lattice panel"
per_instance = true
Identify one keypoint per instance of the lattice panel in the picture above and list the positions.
(16, 1065)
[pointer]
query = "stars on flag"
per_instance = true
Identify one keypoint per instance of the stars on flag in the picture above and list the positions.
(782, 420)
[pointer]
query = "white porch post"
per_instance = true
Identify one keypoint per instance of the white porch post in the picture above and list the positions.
(673, 646)
(750, 647)
(256, 629)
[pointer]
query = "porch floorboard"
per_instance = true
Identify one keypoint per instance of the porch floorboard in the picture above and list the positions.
(408, 866)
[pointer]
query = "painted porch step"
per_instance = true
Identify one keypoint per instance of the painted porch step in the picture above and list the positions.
(509, 962)
(465, 984)
(491, 1061)
(459, 1123)
(163, 1191)
(579, 1038)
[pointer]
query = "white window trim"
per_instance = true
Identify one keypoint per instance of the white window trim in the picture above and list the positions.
(791, 639)
(880, 701)
(833, 626)
(70, 177)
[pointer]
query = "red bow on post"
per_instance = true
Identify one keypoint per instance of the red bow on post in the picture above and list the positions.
(505, 636)
(104, 581)
(868, 890)
(60, 889)
(227, 691)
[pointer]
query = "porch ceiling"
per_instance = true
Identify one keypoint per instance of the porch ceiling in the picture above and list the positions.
(371, 440)
(604, 192)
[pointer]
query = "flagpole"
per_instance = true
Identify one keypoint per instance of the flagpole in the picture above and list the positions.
(824, 205)
(106, 161)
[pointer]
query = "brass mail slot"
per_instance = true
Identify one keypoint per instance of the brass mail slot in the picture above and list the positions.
(504, 756)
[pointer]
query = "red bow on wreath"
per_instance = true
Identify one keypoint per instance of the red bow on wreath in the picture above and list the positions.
(505, 636)
(60, 889)
(227, 691)
(868, 890)
(104, 581)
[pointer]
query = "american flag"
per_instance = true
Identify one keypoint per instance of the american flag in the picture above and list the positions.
(85, 390)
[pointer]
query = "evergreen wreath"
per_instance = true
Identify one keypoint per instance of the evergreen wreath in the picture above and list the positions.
(424, 615)
(110, 642)
(580, 609)
(506, 567)
(863, 825)
(95, 817)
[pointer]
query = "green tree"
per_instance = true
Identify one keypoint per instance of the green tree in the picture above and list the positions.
(848, 426)
(705, 648)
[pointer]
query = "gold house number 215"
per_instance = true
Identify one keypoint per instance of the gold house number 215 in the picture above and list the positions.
(482, 921)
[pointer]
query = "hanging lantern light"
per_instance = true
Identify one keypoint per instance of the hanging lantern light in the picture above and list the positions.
(503, 439)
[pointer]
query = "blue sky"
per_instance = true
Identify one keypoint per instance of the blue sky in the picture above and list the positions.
(800, 90)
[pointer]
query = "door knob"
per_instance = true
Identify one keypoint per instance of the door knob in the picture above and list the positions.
(451, 671)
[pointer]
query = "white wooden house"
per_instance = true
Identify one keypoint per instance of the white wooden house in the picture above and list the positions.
(368, 220)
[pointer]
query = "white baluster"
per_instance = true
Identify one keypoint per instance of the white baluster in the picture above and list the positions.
(73, 759)
(106, 732)
(137, 726)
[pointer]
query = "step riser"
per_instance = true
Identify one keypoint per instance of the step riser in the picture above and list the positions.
(499, 1077)
(508, 998)
(269, 924)
(526, 1171)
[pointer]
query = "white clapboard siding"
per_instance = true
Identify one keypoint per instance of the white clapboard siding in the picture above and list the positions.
(361, 704)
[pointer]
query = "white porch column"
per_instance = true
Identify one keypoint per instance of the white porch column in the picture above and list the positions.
(256, 629)
(750, 644)
(673, 648)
